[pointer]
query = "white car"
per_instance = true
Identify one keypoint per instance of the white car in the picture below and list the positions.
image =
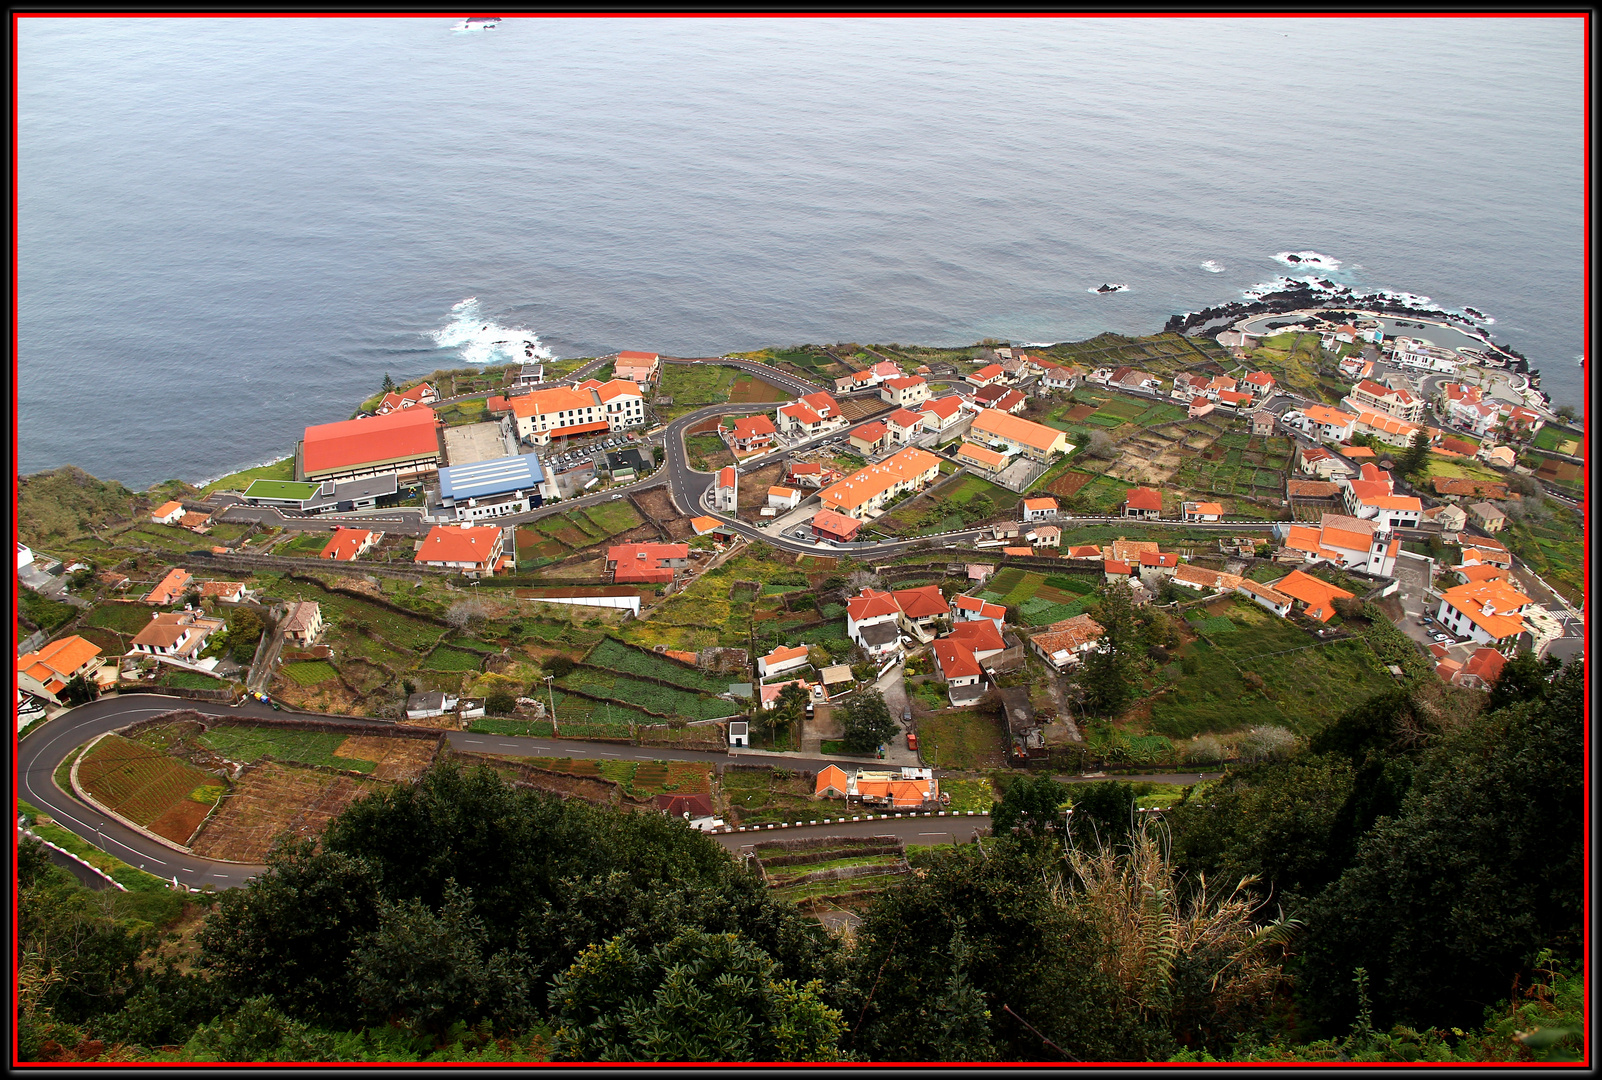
(1441, 639)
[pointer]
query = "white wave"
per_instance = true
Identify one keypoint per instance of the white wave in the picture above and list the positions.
(483, 342)
(1312, 260)
(1213, 266)
(1037, 344)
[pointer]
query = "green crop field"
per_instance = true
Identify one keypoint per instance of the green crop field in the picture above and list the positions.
(663, 701)
(612, 655)
(309, 672)
(289, 745)
(445, 658)
(190, 680)
(961, 740)
(126, 618)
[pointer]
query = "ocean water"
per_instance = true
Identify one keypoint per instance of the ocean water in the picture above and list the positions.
(232, 228)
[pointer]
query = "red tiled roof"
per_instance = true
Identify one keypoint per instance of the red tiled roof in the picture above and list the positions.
(956, 658)
(980, 635)
(451, 543)
(1486, 665)
(1143, 498)
(1319, 596)
(836, 524)
(869, 604)
(753, 426)
(1115, 566)
(404, 433)
(870, 433)
(922, 602)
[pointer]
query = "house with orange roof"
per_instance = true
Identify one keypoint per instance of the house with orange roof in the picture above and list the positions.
(870, 438)
(750, 434)
(1481, 670)
(1039, 509)
(1116, 570)
(726, 495)
(865, 493)
(47, 671)
(784, 498)
(1265, 596)
(831, 525)
(873, 622)
(565, 412)
(811, 414)
(1317, 597)
(921, 608)
(981, 457)
(857, 380)
(982, 636)
(1453, 488)
(703, 525)
(1484, 549)
(904, 426)
(960, 669)
(1370, 496)
(832, 783)
(1054, 376)
(405, 442)
(905, 391)
(168, 513)
(1485, 612)
(1083, 551)
(971, 608)
(1468, 573)
(473, 550)
(1188, 386)
(784, 658)
(941, 413)
(1128, 551)
(346, 545)
(421, 394)
(1370, 396)
(988, 375)
(1156, 566)
(227, 592)
(1351, 543)
(1234, 400)
(1202, 511)
(1035, 441)
(170, 588)
(195, 522)
(1258, 382)
(1388, 429)
(646, 564)
(1322, 422)
(1023, 552)
(1321, 462)
(1199, 406)
(1001, 398)
(768, 693)
(908, 789)
(1064, 644)
(639, 368)
(1263, 422)
(1142, 502)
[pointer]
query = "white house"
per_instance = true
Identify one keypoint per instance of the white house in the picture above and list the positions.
(970, 608)
(429, 704)
(1485, 612)
(1039, 509)
(872, 620)
(784, 658)
(784, 498)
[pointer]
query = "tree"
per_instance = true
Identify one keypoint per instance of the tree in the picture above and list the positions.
(1032, 807)
(1523, 678)
(428, 970)
(1348, 607)
(389, 384)
(790, 706)
(1483, 866)
(1104, 812)
(80, 690)
(244, 634)
(1417, 455)
(500, 702)
(1100, 445)
(867, 722)
(1266, 742)
(698, 997)
(464, 613)
(1110, 669)
(559, 666)
(1566, 413)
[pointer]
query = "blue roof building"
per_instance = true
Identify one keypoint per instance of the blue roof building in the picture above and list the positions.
(508, 485)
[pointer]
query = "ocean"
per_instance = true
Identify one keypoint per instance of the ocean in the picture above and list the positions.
(232, 228)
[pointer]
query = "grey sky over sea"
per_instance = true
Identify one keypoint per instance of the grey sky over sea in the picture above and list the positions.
(233, 228)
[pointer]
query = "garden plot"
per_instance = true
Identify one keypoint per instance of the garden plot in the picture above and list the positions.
(150, 789)
(654, 698)
(766, 796)
(274, 799)
(612, 655)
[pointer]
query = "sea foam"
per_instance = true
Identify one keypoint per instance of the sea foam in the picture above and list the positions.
(1311, 260)
(1213, 266)
(483, 341)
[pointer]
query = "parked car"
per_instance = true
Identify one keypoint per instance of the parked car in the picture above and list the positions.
(1442, 639)
(912, 740)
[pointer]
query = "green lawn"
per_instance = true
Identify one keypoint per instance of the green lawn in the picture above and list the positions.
(1305, 684)
(280, 489)
(190, 680)
(961, 740)
(692, 386)
(309, 672)
(1559, 439)
(614, 517)
(126, 618)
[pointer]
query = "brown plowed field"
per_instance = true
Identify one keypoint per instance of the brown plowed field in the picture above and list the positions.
(658, 504)
(138, 782)
(394, 759)
(1080, 413)
(749, 389)
(862, 408)
(709, 426)
(179, 823)
(270, 800)
(1069, 483)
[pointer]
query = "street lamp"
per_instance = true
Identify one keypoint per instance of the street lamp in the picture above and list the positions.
(552, 693)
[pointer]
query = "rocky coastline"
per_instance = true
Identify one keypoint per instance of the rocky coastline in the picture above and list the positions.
(1326, 294)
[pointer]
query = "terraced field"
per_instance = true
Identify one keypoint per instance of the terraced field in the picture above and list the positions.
(146, 786)
(612, 655)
